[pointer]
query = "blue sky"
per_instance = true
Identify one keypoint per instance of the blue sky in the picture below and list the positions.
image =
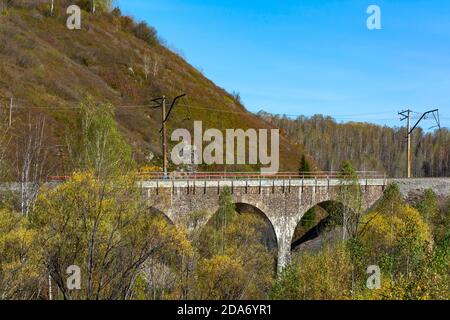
(314, 56)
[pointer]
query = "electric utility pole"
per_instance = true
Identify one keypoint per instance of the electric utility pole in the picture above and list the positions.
(406, 115)
(164, 118)
(164, 135)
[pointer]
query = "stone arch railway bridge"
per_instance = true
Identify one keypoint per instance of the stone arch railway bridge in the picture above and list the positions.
(282, 199)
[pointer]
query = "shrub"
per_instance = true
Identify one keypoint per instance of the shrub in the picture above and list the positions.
(126, 23)
(398, 239)
(100, 5)
(146, 33)
(321, 276)
(26, 60)
(236, 97)
(116, 12)
(85, 5)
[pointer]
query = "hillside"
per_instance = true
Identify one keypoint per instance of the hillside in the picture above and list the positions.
(368, 146)
(49, 70)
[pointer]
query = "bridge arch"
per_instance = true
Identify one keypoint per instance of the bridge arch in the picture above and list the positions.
(316, 221)
(159, 213)
(269, 239)
(265, 230)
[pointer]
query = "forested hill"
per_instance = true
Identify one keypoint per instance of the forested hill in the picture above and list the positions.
(367, 146)
(48, 70)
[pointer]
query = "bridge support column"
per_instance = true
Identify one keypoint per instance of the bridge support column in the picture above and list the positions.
(284, 255)
(284, 233)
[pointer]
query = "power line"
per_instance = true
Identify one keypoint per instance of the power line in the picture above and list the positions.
(208, 109)
(346, 117)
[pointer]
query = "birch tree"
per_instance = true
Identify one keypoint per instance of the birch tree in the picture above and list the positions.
(31, 160)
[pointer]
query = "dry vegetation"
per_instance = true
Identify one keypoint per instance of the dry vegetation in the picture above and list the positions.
(48, 69)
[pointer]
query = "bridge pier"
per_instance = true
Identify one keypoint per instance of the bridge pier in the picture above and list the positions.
(284, 233)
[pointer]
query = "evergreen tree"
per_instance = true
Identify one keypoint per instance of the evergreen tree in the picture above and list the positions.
(304, 165)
